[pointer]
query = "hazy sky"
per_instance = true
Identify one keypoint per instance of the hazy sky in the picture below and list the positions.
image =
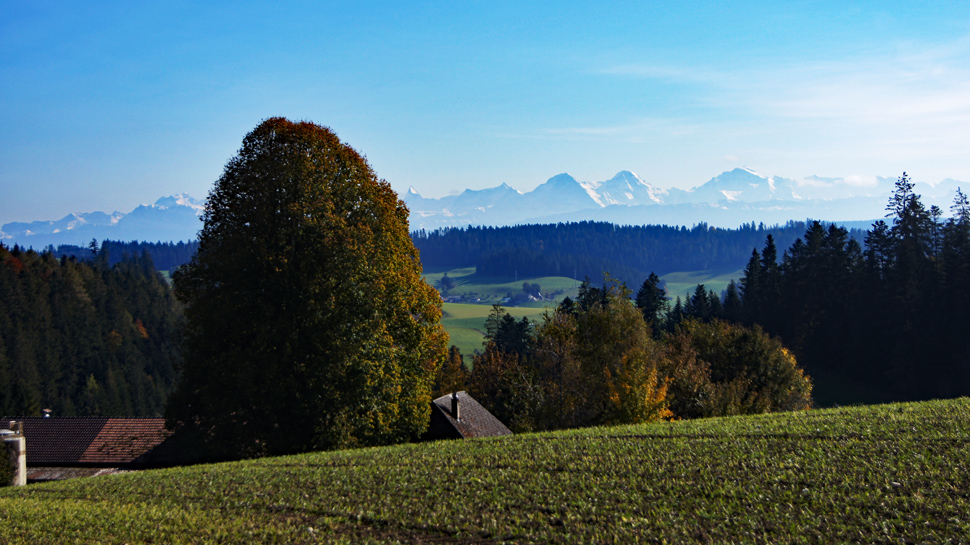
(107, 105)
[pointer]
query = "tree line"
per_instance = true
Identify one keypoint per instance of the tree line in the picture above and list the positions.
(595, 361)
(587, 249)
(886, 321)
(875, 322)
(167, 256)
(84, 338)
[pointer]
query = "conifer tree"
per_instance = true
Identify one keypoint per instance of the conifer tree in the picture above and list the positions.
(733, 309)
(652, 301)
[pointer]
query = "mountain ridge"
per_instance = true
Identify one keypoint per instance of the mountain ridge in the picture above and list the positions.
(732, 198)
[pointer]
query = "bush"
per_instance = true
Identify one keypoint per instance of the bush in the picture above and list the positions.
(719, 369)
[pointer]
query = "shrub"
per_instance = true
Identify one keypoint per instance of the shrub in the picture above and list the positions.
(718, 369)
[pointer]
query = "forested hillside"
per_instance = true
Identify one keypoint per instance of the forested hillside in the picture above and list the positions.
(84, 338)
(165, 255)
(629, 253)
(883, 322)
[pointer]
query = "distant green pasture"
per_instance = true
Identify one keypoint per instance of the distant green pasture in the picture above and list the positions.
(684, 283)
(466, 324)
(492, 289)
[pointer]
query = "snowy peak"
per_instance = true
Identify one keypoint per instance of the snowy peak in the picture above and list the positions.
(562, 191)
(180, 199)
(628, 189)
(628, 177)
(171, 218)
(501, 190)
(745, 185)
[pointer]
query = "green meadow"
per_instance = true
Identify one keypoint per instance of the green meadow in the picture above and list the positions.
(682, 284)
(465, 322)
(895, 473)
(492, 289)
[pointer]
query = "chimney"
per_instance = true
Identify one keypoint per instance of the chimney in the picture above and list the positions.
(454, 406)
(14, 446)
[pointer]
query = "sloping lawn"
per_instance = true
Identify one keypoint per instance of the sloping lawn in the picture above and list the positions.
(877, 474)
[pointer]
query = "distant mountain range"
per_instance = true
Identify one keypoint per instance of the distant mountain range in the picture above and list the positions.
(170, 219)
(727, 200)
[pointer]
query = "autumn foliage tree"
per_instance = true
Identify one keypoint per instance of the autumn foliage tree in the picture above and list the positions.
(599, 363)
(307, 323)
(452, 375)
(721, 369)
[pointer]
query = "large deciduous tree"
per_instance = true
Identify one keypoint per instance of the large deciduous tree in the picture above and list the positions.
(307, 323)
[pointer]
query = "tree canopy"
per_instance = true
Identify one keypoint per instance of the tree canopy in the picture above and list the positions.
(307, 323)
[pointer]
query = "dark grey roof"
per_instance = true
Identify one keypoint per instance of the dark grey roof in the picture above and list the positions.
(474, 420)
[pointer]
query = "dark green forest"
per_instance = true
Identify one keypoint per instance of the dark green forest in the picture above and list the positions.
(588, 249)
(84, 337)
(166, 256)
(887, 321)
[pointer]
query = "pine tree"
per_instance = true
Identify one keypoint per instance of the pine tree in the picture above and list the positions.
(733, 308)
(452, 375)
(752, 293)
(652, 301)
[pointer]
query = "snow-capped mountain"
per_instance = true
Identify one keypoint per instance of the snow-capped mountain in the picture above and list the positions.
(69, 222)
(729, 199)
(560, 192)
(726, 200)
(629, 189)
(744, 185)
(172, 218)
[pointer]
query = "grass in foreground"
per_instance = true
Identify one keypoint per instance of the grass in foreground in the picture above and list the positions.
(880, 474)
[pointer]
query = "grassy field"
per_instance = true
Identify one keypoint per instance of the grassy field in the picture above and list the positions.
(491, 289)
(683, 283)
(466, 324)
(877, 474)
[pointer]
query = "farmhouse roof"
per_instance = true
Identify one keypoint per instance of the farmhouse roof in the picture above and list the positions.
(95, 442)
(473, 419)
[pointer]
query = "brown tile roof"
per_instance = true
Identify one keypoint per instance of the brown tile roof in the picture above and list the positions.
(474, 420)
(91, 441)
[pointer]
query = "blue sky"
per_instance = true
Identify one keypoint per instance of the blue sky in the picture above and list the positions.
(109, 105)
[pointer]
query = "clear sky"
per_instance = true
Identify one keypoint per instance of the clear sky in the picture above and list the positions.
(108, 105)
